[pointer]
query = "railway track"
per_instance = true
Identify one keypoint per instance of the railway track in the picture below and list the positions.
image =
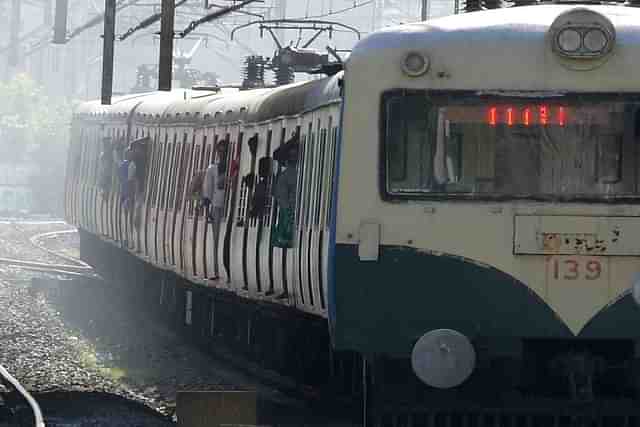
(73, 266)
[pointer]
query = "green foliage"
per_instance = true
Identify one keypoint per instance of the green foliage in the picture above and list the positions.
(34, 130)
(28, 118)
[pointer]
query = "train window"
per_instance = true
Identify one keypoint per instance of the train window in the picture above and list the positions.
(409, 147)
(181, 166)
(212, 156)
(159, 168)
(232, 171)
(564, 149)
(321, 171)
(168, 171)
(332, 169)
(185, 169)
(306, 167)
(265, 172)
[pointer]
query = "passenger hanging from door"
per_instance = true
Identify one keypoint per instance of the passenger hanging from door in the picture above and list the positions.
(259, 199)
(284, 191)
(137, 175)
(213, 198)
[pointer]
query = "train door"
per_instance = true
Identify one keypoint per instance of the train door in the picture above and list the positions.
(170, 215)
(304, 296)
(120, 215)
(168, 172)
(190, 245)
(112, 197)
(265, 173)
(150, 184)
(90, 205)
(159, 176)
(136, 218)
(282, 131)
(92, 194)
(101, 207)
(315, 227)
(103, 193)
(201, 228)
(291, 254)
(332, 129)
(184, 252)
(232, 183)
(259, 150)
(244, 187)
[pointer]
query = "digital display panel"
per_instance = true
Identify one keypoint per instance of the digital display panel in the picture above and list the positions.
(528, 115)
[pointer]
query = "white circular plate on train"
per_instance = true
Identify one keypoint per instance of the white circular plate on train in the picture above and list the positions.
(443, 358)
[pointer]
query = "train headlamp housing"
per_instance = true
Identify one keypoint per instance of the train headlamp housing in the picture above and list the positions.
(415, 64)
(582, 38)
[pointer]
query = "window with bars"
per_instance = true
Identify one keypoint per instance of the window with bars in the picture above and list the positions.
(233, 155)
(185, 158)
(247, 183)
(167, 171)
(320, 181)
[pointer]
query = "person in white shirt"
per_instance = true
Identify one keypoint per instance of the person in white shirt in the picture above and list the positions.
(213, 198)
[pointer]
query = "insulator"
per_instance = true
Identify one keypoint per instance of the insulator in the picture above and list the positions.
(492, 4)
(283, 75)
(253, 72)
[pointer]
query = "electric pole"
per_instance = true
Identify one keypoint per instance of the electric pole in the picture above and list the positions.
(424, 14)
(165, 68)
(107, 50)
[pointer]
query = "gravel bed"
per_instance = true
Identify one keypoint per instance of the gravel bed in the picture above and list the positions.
(87, 337)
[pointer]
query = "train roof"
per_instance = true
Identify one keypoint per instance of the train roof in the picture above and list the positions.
(193, 107)
(503, 48)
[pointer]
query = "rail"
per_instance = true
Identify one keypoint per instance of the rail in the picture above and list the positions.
(75, 267)
(37, 413)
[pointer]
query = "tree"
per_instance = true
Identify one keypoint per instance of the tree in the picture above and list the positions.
(34, 130)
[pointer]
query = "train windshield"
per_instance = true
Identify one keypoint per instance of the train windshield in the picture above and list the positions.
(527, 148)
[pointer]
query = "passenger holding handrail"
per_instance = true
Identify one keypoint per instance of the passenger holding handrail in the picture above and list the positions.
(213, 198)
(285, 193)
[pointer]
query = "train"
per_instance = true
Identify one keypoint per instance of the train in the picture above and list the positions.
(465, 216)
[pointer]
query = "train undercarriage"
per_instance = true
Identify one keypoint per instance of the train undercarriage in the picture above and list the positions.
(534, 382)
(537, 382)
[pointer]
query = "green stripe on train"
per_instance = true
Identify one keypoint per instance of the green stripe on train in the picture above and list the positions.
(384, 306)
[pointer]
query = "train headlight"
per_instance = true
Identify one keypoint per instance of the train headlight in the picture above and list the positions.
(415, 64)
(569, 40)
(582, 34)
(443, 358)
(595, 40)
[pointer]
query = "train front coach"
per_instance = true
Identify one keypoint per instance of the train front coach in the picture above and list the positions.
(487, 216)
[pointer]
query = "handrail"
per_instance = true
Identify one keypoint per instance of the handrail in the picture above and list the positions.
(37, 413)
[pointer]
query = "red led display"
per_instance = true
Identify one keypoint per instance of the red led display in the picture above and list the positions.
(528, 116)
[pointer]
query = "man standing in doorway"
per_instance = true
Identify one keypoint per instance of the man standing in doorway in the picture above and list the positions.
(213, 197)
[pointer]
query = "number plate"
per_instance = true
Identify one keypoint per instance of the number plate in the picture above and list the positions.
(577, 287)
(576, 268)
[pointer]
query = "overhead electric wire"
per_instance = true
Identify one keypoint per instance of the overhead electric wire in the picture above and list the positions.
(346, 9)
(146, 22)
(215, 15)
(98, 19)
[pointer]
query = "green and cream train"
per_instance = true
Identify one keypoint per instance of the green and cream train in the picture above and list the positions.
(466, 218)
